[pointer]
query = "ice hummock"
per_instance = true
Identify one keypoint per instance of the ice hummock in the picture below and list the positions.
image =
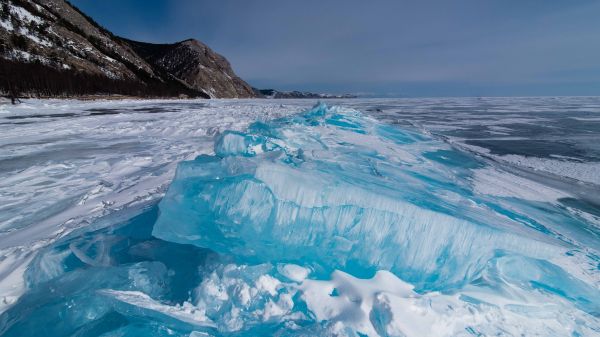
(338, 190)
(327, 223)
(121, 281)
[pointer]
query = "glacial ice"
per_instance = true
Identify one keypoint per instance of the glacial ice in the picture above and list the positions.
(338, 190)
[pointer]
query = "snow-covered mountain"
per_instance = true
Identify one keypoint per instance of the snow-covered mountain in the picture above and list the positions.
(50, 48)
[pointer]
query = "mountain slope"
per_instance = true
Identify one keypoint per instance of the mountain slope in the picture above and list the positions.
(50, 48)
(197, 65)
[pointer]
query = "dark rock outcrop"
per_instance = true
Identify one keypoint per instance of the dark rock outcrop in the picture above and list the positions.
(197, 65)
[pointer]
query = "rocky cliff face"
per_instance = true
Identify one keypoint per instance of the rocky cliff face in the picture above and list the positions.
(197, 65)
(61, 43)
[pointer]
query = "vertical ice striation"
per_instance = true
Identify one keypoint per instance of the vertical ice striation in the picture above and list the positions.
(336, 189)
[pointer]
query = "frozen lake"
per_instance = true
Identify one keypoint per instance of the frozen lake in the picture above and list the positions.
(476, 216)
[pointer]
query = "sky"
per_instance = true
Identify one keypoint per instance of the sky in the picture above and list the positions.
(393, 48)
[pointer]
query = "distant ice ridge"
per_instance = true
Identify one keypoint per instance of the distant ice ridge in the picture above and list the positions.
(587, 172)
(335, 189)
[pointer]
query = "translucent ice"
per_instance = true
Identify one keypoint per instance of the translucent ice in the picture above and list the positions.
(336, 189)
(327, 223)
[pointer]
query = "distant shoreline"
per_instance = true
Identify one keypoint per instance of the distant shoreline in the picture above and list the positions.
(6, 99)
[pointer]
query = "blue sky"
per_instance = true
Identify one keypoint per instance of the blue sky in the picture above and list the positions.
(381, 47)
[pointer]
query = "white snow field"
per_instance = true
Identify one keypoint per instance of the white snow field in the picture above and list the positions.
(362, 217)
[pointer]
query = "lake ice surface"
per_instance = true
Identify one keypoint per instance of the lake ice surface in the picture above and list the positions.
(404, 217)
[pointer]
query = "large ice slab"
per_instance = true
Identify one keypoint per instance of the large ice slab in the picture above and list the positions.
(120, 281)
(337, 189)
